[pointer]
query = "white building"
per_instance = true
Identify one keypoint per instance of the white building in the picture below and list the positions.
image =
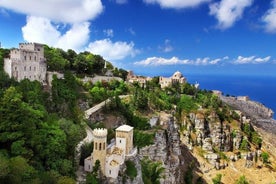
(27, 62)
(111, 157)
(177, 77)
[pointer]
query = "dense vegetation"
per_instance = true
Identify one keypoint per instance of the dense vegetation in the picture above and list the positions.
(39, 129)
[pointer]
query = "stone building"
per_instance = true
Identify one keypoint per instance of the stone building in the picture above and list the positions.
(177, 77)
(27, 62)
(111, 157)
(141, 80)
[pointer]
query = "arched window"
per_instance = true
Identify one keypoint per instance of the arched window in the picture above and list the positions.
(96, 146)
(100, 146)
(104, 145)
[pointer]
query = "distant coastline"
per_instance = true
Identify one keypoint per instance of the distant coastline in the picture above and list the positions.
(261, 89)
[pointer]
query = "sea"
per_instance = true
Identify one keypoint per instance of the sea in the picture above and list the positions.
(259, 88)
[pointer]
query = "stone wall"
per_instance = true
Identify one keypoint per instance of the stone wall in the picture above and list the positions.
(250, 108)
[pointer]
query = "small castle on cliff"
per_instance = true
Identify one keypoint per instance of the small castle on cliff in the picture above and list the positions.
(27, 62)
(111, 156)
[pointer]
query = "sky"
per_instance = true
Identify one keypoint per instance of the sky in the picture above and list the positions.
(152, 37)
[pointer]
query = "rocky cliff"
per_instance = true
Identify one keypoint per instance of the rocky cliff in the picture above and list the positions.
(261, 119)
(248, 107)
(166, 149)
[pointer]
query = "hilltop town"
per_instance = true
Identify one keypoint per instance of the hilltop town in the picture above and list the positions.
(68, 117)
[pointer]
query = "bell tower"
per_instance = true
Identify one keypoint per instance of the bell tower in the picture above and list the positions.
(99, 152)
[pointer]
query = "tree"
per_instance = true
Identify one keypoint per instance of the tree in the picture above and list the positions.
(140, 99)
(188, 177)
(4, 167)
(65, 180)
(151, 171)
(265, 157)
(19, 122)
(20, 171)
(131, 170)
(217, 179)
(93, 178)
(186, 104)
(244, 145)
(55, 59)
(242, 180)
(142, 139)
(85, 150)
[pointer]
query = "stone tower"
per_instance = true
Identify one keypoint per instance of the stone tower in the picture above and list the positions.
(99, 152)
(124, 138)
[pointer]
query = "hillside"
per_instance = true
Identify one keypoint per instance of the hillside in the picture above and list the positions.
(183, 134)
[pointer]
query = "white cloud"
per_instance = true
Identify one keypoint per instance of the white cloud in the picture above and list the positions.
(112, 50)
(227, 12)
(121, 1)
(67, 11)
(41, 30)
(131, 31)
(157, 61)
(167, 47)
(177, 4)
(75, 38)
(269, 18)
(109, 32)
(251, 60)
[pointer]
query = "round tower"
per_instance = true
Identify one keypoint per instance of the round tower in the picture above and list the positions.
(99, 152)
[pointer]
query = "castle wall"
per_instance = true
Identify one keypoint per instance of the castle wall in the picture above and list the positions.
(8, 66)
(128, 136)
(121, 143)
(27, 62)
(88, 167)
(112, 171)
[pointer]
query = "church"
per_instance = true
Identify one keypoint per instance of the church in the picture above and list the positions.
(111, 157)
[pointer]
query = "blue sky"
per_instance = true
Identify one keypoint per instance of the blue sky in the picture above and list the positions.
(152, 37)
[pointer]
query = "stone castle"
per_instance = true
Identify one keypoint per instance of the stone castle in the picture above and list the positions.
(111, 156)
(27, 62)
(177, 77)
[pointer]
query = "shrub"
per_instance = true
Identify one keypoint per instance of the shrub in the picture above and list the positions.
(131, 170)
(217, 179)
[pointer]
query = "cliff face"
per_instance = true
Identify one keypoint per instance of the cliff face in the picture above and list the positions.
(166, 149)
(261, 119)
(208, 133)
(250, 108)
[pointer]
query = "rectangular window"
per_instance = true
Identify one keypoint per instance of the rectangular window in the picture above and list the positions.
(24, 68)
(30, 68)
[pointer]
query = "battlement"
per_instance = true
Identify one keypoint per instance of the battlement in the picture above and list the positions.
(32, 47)
(100, 132)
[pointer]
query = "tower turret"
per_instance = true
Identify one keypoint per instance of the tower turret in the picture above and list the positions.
(99, 152)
